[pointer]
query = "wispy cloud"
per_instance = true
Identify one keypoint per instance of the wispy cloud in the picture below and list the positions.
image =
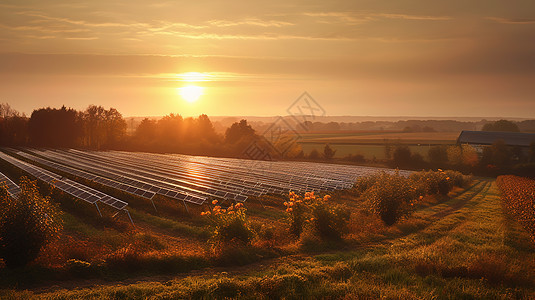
(512, 21)
(251, 22)
(361, 17)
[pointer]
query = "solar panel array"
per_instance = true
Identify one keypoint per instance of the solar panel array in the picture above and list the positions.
(195, 179)
(70, 187)
(122, 175)
(88, 176)
(12, 188)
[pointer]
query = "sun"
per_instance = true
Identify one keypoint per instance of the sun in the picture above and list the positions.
(191, 93)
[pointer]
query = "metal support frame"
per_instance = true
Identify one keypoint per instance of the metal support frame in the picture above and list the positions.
(98, 209)
(153, 205)
(129, 217)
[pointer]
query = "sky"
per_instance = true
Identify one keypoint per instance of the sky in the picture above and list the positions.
(255, 58)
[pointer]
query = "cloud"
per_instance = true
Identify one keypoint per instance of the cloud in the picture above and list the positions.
(511, 20)
(362, 17)
(251, 22)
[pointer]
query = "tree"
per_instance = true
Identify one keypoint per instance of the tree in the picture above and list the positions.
(402, 156)
(501, 156)
(501, 125)
(314, 154)
(328, 152)
(532, 152)
(239, 131)
(53, 127)
(438, 155)
(146, 130)
(27, 224)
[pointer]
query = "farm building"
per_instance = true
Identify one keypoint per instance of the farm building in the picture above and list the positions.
(480, 139)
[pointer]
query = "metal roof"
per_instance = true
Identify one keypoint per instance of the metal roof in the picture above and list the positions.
(489, 137)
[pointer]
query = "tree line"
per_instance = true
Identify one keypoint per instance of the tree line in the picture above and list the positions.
(101, 129)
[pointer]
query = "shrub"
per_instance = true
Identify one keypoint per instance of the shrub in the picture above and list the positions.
(391, 197)
(27, 224)
(328, 220)
(296, 212)
(231, 228)
(365, 182)
(432, 182)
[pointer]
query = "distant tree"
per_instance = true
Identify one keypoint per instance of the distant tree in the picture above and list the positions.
(6, 111)
(27, 224)
(53, 127)
(206, 130)
(239, 131)
(501, 125)
(358, 158)
(470, 157)
(94, 133)
(455, 155)
(438, 155)
(103, 128)
(532, 152)
(328, 152)
(114, 126)
(146, 130)
(501, 156)
(13, 130)
(428, 129)
(401, 157)
(314, 154)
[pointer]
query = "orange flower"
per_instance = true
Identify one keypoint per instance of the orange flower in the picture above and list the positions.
(214, 202)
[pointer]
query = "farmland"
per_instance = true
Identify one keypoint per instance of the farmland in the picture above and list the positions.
(452, 246)
(372, 143)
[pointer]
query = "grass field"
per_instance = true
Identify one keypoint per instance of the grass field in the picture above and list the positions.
(461, 246)
(372, 144)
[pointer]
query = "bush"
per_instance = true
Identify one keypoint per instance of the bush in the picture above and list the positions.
(391, 197)
(327, 220)
(27, 224)
(231, 228)
(365, 182)
(433, 183)
(296, 212)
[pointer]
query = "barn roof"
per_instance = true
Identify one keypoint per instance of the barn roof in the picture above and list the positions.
(489, 137)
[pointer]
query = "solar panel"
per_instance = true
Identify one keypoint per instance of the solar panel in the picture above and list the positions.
(195, 179)
(68, 186)
(12, 189)
(89, 176)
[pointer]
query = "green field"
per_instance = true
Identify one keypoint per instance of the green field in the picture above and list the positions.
(372, 144)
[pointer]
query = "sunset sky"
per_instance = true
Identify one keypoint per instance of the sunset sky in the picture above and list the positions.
(374, 58)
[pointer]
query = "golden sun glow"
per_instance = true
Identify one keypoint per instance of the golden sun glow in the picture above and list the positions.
(191, 93)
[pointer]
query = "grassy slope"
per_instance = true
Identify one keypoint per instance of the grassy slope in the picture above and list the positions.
(462, 248)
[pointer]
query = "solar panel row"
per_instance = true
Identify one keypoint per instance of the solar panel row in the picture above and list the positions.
(123, 177)
(88, 176)
(194, 179)
(70, 187)
(12, 188)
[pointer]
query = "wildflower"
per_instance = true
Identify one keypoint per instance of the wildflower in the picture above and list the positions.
(214, 202)
(289, 209)
(326, 198)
